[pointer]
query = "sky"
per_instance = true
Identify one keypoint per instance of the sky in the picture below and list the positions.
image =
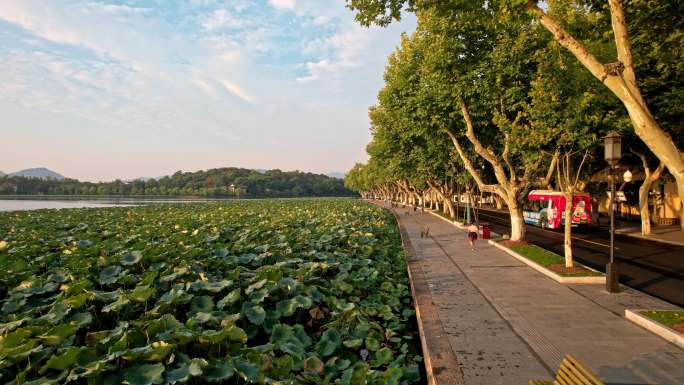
(106, 89)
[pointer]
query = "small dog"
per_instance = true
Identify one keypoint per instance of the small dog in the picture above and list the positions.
(425, 232)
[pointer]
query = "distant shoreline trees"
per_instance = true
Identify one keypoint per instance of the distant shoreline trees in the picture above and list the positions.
(227, 182)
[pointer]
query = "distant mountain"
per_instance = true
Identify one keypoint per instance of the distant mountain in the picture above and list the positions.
(2, 173)
(334, 174)
(40, 173)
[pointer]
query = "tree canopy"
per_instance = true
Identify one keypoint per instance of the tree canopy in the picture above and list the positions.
(487, 92)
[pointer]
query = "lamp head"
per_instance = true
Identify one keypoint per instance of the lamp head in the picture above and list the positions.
(612, 145)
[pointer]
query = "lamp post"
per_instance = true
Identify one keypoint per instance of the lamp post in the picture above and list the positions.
(612, 153)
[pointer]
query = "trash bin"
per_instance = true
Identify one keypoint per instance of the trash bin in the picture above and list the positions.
(485, 230)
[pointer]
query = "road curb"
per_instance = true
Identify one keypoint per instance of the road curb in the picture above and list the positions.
(556, 277)
(654, 327)
(647, 238)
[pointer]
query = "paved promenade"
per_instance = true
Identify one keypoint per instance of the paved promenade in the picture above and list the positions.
(498, 321)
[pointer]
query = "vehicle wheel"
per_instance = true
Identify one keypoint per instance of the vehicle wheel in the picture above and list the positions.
(544, 223)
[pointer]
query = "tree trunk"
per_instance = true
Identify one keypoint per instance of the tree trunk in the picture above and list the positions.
(649, 179)
(449, 207)
(681, 211)
(643, 208)
(567, 239)
(517, 222)
(497, 201)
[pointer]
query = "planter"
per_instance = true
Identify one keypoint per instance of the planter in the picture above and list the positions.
(595, 279)
(653, 326)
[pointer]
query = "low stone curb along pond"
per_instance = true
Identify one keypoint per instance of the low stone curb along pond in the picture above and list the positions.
(295, 292)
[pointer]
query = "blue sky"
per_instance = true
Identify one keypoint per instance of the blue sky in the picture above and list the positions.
(98, 90)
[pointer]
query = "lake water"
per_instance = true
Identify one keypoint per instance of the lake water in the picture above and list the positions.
(36, 204)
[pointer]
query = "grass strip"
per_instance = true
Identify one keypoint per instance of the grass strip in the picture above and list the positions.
(548, 259)
(668, 318)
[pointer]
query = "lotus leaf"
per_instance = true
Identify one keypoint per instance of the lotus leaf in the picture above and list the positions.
(255, 286)
(131, 258)
(110, 274)
(256, 314)
(328, 343)
(247, 370)
(191, 368)
(313, 364)
(203, 303)
(176, 296)
(141, 294)
(62, 361)
(145, 374)
(219, 371)
(279, 291)
(229, 299)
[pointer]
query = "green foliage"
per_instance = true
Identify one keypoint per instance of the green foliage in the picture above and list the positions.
(292, 292)
(528, 97)
(220, 182)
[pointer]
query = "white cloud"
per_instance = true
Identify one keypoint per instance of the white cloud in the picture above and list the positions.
(320, 20)
(283, 4)
(116, 8)
(221, 18)
(230, 56)
(346, 51)
(236, 90)
(205, 87)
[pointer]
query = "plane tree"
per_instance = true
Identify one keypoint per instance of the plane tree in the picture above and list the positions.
(571, 111)
(616, 68)
(477, 76)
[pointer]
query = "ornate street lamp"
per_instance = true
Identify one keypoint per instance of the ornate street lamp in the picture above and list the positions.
(612, 153)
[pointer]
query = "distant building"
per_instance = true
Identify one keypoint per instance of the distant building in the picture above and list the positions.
(237, 190)
(664, 203)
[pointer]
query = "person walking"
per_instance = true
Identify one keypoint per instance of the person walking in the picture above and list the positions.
(472, 235)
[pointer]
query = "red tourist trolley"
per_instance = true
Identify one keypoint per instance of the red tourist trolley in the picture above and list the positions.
(546, 209)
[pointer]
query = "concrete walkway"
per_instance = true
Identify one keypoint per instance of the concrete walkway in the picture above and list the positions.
(505, 323)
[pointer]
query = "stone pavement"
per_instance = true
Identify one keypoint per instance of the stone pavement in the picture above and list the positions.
(507, 323)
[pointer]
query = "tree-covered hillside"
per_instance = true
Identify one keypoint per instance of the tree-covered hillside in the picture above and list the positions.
(220, 182)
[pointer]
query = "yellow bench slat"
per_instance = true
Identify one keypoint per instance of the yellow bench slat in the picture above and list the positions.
(591, 377)
(571, 372)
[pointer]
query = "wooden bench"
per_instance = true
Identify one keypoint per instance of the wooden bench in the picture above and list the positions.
(571, 372)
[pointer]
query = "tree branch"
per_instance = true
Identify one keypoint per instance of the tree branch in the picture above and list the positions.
(549, 174)
(579, 169)
(473, 172)
(506, 157)
(623, 45)
(487, 154)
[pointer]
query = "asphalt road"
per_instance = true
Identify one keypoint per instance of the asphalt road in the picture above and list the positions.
(652, 267)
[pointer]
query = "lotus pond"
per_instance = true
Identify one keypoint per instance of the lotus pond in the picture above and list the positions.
(275, 292)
